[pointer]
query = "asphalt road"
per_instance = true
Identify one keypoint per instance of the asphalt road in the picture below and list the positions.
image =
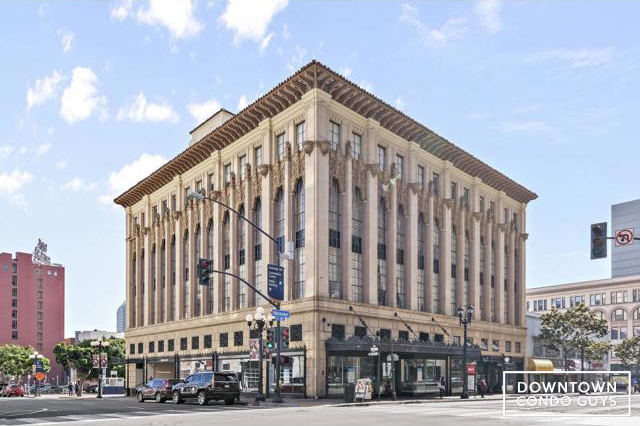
(127, 412)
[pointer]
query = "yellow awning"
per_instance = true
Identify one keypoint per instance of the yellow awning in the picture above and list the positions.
(539, 365)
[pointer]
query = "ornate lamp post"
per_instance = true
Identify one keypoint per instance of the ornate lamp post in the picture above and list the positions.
(260, 322)
(465, 320)
(35, 357)
(99, 344)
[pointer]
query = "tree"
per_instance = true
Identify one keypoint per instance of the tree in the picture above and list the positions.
(573, 329)
(596, 351)
(15, 360)
(628, 351)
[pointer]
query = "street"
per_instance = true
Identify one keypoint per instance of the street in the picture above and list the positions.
(126, 411)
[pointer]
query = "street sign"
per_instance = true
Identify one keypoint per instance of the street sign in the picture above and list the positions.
(39, 376)
(275, 281)
(393, 357)
(624, 237)
(471, 369)
(254, 346)
(280, 314)
(39, 366)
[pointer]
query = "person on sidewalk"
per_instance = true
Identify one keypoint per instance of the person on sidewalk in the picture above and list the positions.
(77, 388)
(442, 386)
(70, 389)
(482, 387)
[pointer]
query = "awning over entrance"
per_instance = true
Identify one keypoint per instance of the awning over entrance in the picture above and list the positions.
(358, 347)
(539, 365)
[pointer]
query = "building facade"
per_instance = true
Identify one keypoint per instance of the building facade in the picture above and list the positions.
(615, 299)
(625, 260)
(32, 306)
(81, 336)
(121, 317)
(384, 215)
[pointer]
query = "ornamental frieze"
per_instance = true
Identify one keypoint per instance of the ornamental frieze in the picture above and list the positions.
(359, 177)
(256, 184)
(239, 191)
(402, 194)
(277, 178)
(297, 166)
(338, 169)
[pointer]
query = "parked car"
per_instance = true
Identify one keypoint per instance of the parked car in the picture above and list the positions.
(205, 386)
(157, 389)
(91, 389)
(13, 390)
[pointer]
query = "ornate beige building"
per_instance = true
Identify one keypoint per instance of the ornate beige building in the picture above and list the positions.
(384, 215)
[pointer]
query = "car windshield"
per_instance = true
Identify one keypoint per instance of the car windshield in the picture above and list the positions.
(207, 376)
(172, 382)
(225, 377)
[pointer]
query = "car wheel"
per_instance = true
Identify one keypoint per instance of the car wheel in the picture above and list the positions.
(202, 398)
(159, 398)
(140, 397)
(229, 401)
(176, 398)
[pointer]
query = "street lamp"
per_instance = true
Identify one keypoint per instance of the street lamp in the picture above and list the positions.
(465, 320)
(259, 321)
(99, 344)
(35, 357)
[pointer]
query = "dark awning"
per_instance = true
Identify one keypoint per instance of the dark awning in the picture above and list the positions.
(407, 348)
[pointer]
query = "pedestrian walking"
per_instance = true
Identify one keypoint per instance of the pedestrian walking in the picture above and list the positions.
(442, 386)
(70, 389)
(482, 387)
(77, 389)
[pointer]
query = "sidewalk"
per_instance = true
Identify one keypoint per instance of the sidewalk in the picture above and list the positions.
(66, 396)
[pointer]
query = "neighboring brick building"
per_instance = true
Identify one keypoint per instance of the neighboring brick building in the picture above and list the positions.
(32, 306)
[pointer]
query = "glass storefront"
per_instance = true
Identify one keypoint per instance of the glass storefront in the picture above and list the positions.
(190, 366)
(292, 380)
(420, 376)
(344, 369)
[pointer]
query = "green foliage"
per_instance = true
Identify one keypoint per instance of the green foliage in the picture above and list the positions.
(80, 356)
(15, 360)
(596, 351)
(572, 329)
(628, 351)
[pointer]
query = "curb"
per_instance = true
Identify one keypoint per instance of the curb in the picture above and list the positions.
(411, 401)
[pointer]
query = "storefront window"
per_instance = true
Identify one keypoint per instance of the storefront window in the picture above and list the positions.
(421, 376)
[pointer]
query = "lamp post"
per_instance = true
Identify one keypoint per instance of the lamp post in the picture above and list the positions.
(465, 320)
(35, 357)
(259, 321)
(214, 198)
(99, 344)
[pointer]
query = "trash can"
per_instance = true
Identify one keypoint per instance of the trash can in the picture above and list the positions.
(349, 392)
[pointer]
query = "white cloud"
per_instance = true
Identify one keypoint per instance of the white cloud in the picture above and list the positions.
(242, 102)
(297, 59)
(203, 110)
(366, 85)
(265, 41)
(400, 103)
(11, 185)
(141, 110)
(130, 174)
(453, 29)
(121, 9)
(576, 58)
(61, 165)
(67, 39)
(80, 99)
(44, 89)
(78, 184)
(249, 19)
(5, 151)
(42, 149)
(489, 13)
(176, 15)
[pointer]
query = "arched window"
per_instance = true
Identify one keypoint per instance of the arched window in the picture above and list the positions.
(241, 227)
(185, 266)
(278, 218)
(357, 220)
(599, 314)
(335, 278)
(198, 255)
(226, 250)
(257, 252)
(422, 231)
(382, 253)
(298, 205)
(436, 267)
(636, 314)
(210, 238)
(400, 240)
(173, 294)
(454, 264)
(619, 315)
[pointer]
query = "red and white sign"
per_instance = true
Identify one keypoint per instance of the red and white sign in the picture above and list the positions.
(624, 237)
(471, 369)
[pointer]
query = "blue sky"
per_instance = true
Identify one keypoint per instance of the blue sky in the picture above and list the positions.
(97, 94)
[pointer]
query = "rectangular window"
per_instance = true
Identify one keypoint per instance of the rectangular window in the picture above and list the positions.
(195, 342)
(403, 335)
(211, 182)
(243, 166)
(334, 134)
(356, 148)
(465, 197)
(295, 333)
(140, 348)
(14, 292)
(238, 338)
(435, 183)
(420, 176)
(174, 204)
(199, 185)
(186, 198)
(227, 174)
(382, 157)
(300, 135)
(385, 334)
(160, 345)
(132, 349)
(224, 340)
(360, 332)
(208, 341)
(424, 337)
(517, 347)
(14, 281)
(482, 203)
(484, 344)
(39, 295)
(280, 146)
(337, 331)
(14, 303)
(170, 345)
(257, 156)
(152, 347)
(454, 191)
(400, 166)
(183, 344)
(495, 345)
(14, 324)
(507, 346)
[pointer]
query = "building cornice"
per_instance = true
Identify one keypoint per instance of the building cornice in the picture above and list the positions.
(584, 285)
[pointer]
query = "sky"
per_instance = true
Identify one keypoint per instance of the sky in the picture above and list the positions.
(96, 95)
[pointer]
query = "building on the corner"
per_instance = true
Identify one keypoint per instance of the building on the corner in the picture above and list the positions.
(32, 305)
(121, 317)
(625, 260)
(385, 216)
(615, 299)
(81, 336)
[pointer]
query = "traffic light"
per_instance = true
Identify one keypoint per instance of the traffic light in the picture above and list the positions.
(204, 270)
(270, 340)
(285, 337)
(599, 240)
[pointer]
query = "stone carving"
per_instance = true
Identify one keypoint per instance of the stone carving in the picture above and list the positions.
(287, 150)
(263, 169)
(347, 149)
(308, 147)
(277, 178)
(324, 147)
(239, 191)
(256, 184)
(524, 236)
(359, 177)
(402, 194)
(297, 167)
(338, 169)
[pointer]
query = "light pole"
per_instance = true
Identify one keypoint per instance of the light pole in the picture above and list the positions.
(35, 357)
(465, 320)
(259, 322)
(99, 344)
(214, 198)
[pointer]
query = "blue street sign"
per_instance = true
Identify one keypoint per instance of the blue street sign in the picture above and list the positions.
(39, 366)
(279, 314)
(275, 282)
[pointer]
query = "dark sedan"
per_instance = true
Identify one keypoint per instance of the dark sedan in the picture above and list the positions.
(156, 389)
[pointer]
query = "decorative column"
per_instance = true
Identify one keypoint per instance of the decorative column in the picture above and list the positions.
(321, 214)
(288, 188)
(347, 222)
(500, 259)
(489, 288)
(411, 247)
(428, 255)
(460, 283)
(192, 218)
(157, 290)
(370, 193)
(511, 301)
(130, 247)
(392, 228)
(522, 259)
(233, 242)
